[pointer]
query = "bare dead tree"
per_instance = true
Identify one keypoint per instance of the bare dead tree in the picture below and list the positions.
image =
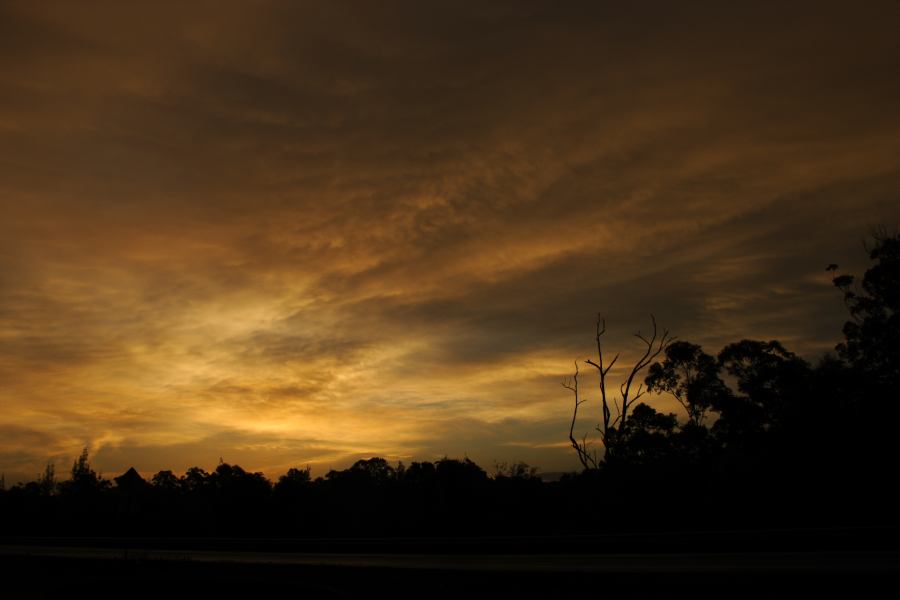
(611, 422)
(587, 458)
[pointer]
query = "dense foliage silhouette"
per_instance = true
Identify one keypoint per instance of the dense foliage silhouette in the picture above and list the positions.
(766, 440)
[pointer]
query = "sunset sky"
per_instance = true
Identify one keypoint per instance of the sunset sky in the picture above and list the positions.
(301, 233)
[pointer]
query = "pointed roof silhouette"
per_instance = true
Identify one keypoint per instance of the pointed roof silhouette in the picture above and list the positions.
(130, 479)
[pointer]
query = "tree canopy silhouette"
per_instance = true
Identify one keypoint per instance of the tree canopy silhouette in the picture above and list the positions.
(872, 335)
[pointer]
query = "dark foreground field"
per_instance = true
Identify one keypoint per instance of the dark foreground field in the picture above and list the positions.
(838, 563)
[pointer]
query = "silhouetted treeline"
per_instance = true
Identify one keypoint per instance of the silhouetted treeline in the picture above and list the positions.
(766, 440)
(371, 497)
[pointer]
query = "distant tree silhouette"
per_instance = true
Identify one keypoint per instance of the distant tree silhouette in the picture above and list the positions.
(646, 437)
(84, 480)
(234, 485)
(46, 480)
(166, 480)
(194, 480)
(869, 374)
(514, 470)
(691, 376)
(293, 486)
(771, 381)
(872, 335)
(294, 479)
(374, 469)
(460, 473)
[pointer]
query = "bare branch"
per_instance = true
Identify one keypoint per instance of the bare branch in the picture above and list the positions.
(610, 366)
(580, 449)
(640, 392)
